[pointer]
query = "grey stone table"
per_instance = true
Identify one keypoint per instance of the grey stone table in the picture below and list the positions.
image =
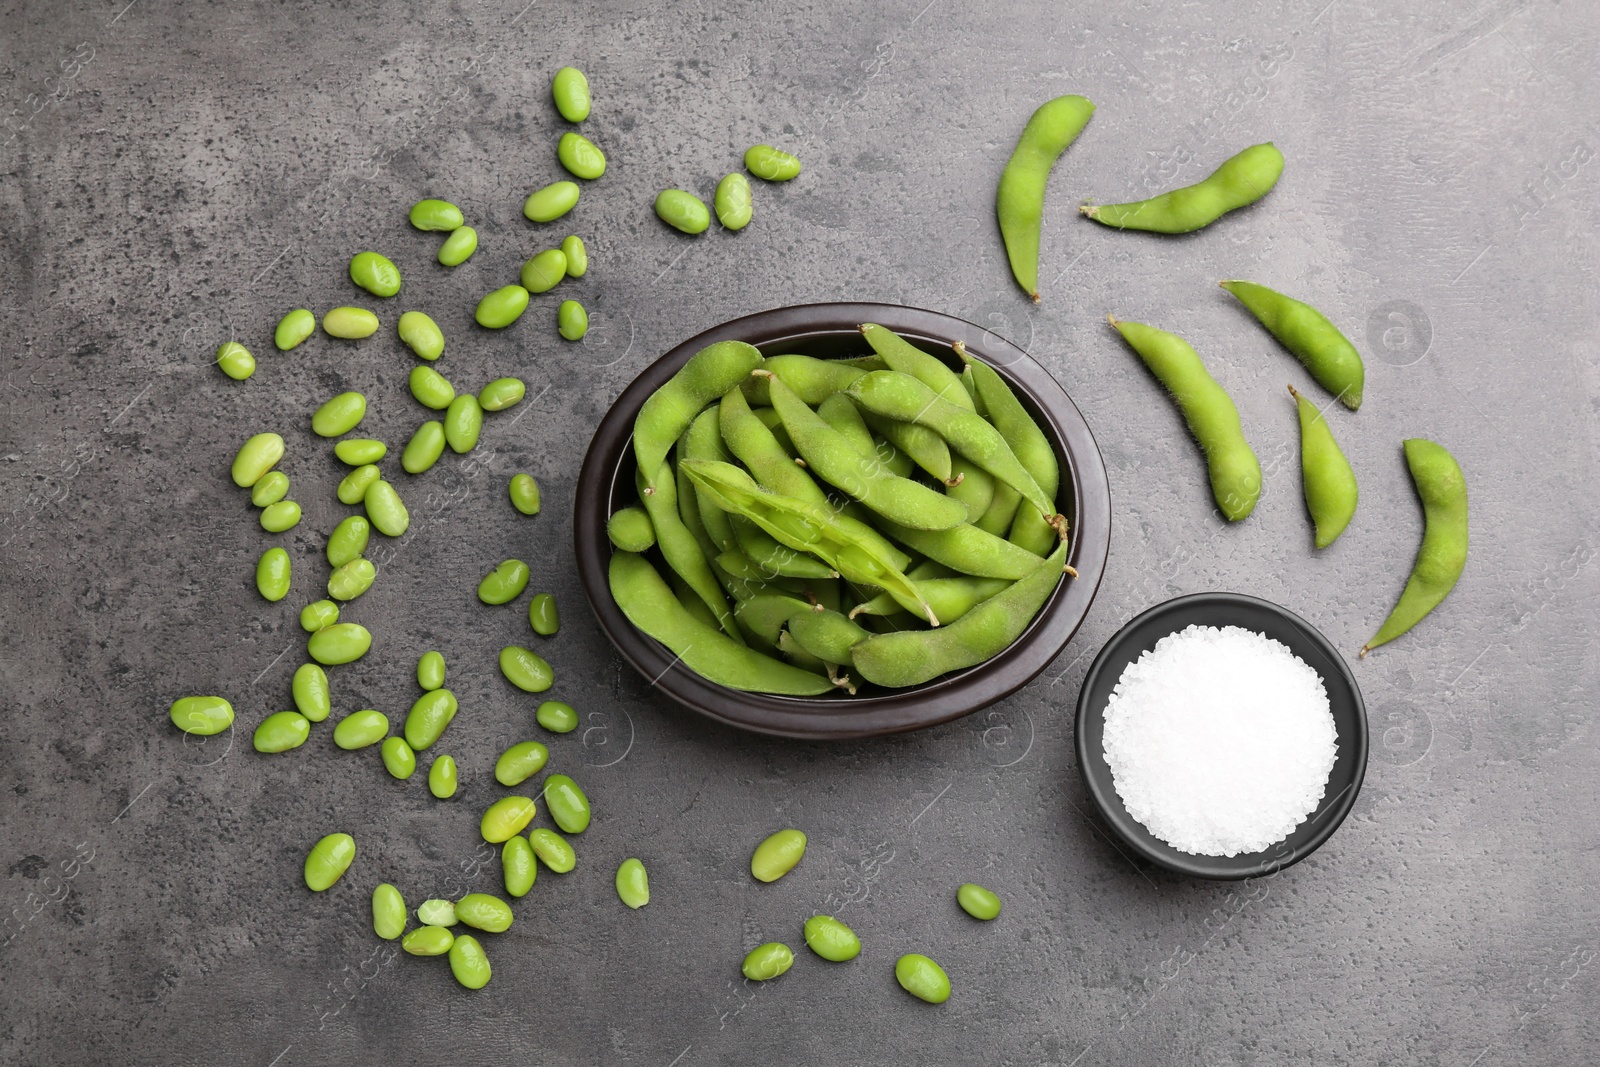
(174, 174)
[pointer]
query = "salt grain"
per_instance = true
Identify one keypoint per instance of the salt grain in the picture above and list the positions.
(1220, 741)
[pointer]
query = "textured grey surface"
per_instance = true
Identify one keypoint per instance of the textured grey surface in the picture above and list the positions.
(174, 174)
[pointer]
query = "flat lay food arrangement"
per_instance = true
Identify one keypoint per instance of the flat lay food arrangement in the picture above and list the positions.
(825, 531)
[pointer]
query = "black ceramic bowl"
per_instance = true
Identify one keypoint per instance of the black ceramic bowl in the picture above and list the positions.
(1224, 609)
(830, 331)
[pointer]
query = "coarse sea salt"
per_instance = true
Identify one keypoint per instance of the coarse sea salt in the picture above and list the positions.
(1220, 740)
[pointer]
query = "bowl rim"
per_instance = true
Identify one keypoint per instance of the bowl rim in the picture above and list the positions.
(941, 700)
(1096, 773)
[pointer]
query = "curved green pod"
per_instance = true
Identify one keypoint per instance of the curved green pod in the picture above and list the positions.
(1308, 335)
(1239, 182)
(1328, 483)
(1443, 555)
(1019, 199)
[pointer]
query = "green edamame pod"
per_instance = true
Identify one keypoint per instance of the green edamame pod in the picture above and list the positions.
(1308, 335)
(284, 515)
(463, 422)
(484, 912)
(978, 902)
(922, 978)
(766, 962)
(566, 803)
(310, 689)
(360, 729)
(424, 448)
(840, 412)
(1326, 479)
(428, 717)
(832, 939)
(757, 447)
(317, 614)
(762, 553)
(359, 451)
(765, 614)
(1443, 490)
(351, 580)
(827, 635)
(1208, 410)
(430, 671)
(732, 202)
(769, 164)
(430, 388)
(434, 215)
(1241, 180)
(505, 583)
(1019, 200)
(459, 246)
(294, 328)
(551, 202)
(570, 91)
(501, 394)
(385, 510)
(526, 669)
(281, 731)
(348, 540)
(270, 488)
(428, 941)
(235, 360)
(388, 912)
(469, 963)
(633, 884)
(668, 411)
(353, 489)
(343, 642)
(577, 254)
(422, 335)
(582, 158)
(972, 485)
(339, 415)
(505, 818)
(683, 211)
(327, 861)
(968, 549)
(777, 855)
(951, 597)
(1033, 450)
(272, 574)
(924, 445)
(520, 762)
(524, 492)
(630, 529)
(912, 657)
(813, 380)
(375, 273)
(351, 324)
(502, 307)
(544, 270)
(679, 547)
(256, 457)
(542, 615)
(572, 321)
(518, 865)
(553, 850)
(201, 716)
(443, 777)
(905, 357)
(399, 758)
(650, 605)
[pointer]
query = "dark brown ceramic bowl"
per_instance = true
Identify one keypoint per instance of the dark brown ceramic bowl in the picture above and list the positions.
(830, 331)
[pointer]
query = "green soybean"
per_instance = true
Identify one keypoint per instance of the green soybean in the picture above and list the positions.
(582, 158)
(424, 448)
(385, 510)
(284, 515)
(430, 714)
(343, 642)
(317, 614)
(755, 445)
(505, 818)
(525, 669)
(570, 91)
(348, 540)
(1019, 199)
(766, 962)
(732, 202)
(524, 492)
(828, 635)
(519, 867)
(281, 731)
(327, 861)
(351, 580)
(577, 254)
(552, 849)
(255, 458)
(520, 762)
(630, 529)
(950, 598)
(359, 451)
(430, 671)
(1308, 335)
(501, 394)
(668, 411)
(360, 729)
(832, 939)
(903, 356)
(777, 855)
(1240, 181)
(682, 211)
(1442, 556)
(1327, 482)
(388, 912)
(201, 716)
(484, 912)
(235, 360)
(557, 717)
(1209, 411)
(294, 328)
(435, 215)
(272, 574)
(463, 422)
(350, 323)
(813, 380)
(505, 583)
(437, 913)
(270, 488)
(633, 884)
(572, 321)
(398, 757)
(544, 271)
(551, 202)
(443, 777)
(566, 802)
(459, 246)
(428, 941)
(770, 164)
(922, 978)
(542, 615)
(353, 489)
(978, 902)
(422, 335)
(375, 273)
(430, 388)
(310, 689)
(502, 307)
(469, 963)
(339, 415)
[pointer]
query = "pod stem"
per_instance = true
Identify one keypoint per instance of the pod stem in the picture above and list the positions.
(762, 372)
(1088, 210)
(1058, 523)
(1070, 570)
(957, 480)
(1112, 319)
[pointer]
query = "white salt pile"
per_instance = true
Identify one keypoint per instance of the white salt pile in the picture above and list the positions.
(1220, 741)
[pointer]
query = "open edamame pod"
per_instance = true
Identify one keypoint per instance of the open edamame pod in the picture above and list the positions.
(1019, 200)
(1327, 481)
(1209, 411)
(1308, 335)
(1241, 180)
(1443, 490)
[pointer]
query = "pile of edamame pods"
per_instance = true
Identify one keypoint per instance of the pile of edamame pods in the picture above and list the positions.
(883, 518)
(1328, 481)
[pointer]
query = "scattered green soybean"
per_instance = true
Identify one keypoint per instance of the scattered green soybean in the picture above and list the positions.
(505, 818)
(430, 714)
(1443, 554)
(201, 716)
(570, 91)
(505, 583)
(582, 158)
(430, 388)
(428, 941)
(359, 729)
(633, 884)
(525, 669)
(978, 902)
(463, 422)
(1308, 335)
(353, 489)
(317, 614)
(388, 912)
(484, 912)
(832, 939)
(577, 254)
(572, 321)
(235, 360)
(272, 574)
(443, 777)
(434, 215)
(270, 488)
(732, 202)
(501, 394)
(437, 913)
(519, 867)
(766, 962)
(682, 211)
(375, 273)
(469, 963)
(557, 717)
(281, 731)
(327, 861)
(339, 415)
(359, 451)
(343, 642)
(422, 335)
(350, 323)
(520, 762)
(544, 270)
(777, 855)
(311, 694)
(551, 202)
(542, 615)
(564, 799)
(630, 529)
(294, 328)
(424, 448)
(552, 849)
(1326, 480)
(502, 307)
(770, 164)
(351, 580)
(524, 492)
(255, 458)
(430, 671)
(385, 510)
(398, 757)
(348, 540)
(284, 515)
(459, 246)
(1019, 199)
(922, 978)
(1241, 180)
